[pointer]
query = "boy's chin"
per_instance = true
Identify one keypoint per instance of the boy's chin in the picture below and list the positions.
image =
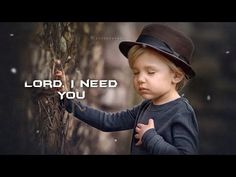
(146, 97)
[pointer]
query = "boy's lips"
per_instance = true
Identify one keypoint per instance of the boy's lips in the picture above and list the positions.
(143, 90)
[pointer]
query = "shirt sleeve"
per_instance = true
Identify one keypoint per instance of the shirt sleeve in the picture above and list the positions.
(101, 120)
(184, 130)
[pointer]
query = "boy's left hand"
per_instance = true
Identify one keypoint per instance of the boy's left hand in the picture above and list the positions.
(141, 129)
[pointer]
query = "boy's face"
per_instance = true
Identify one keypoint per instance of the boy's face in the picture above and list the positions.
(153, 79)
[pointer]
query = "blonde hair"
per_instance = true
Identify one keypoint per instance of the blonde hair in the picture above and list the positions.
(137, 50)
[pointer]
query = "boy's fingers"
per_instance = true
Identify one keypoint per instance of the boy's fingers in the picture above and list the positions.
(140, 125)
(139, 143)
(137, 129)
(151, 122)
(58, 72)
(58, 75)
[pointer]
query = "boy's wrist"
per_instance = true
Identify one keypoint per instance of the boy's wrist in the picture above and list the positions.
(148, 135)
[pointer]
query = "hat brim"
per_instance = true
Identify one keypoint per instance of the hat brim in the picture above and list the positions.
(125, 46)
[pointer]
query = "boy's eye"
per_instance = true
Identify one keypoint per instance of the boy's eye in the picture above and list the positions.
(135, 73)
(151, 72)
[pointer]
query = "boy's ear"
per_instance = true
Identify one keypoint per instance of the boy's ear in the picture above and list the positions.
(177, 77)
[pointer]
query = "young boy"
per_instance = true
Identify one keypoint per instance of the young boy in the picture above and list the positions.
(164, 123)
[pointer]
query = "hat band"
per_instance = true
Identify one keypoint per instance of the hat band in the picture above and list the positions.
(160, 45)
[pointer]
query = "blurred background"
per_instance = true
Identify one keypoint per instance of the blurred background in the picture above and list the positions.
(31, 121)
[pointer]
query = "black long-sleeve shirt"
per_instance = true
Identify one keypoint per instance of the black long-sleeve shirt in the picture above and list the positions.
(176, 128)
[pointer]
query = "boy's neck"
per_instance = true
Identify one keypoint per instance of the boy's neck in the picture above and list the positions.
(166, 98)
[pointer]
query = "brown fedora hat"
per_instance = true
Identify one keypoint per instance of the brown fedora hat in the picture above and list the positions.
(177, 47)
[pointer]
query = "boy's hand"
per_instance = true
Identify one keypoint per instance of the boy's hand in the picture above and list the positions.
(141, 129)
(60, 75)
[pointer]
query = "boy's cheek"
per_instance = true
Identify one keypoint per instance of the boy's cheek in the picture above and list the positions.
(135, 85)
(136, 89)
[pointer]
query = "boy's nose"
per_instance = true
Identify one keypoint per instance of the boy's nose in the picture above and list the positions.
(141, 79)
